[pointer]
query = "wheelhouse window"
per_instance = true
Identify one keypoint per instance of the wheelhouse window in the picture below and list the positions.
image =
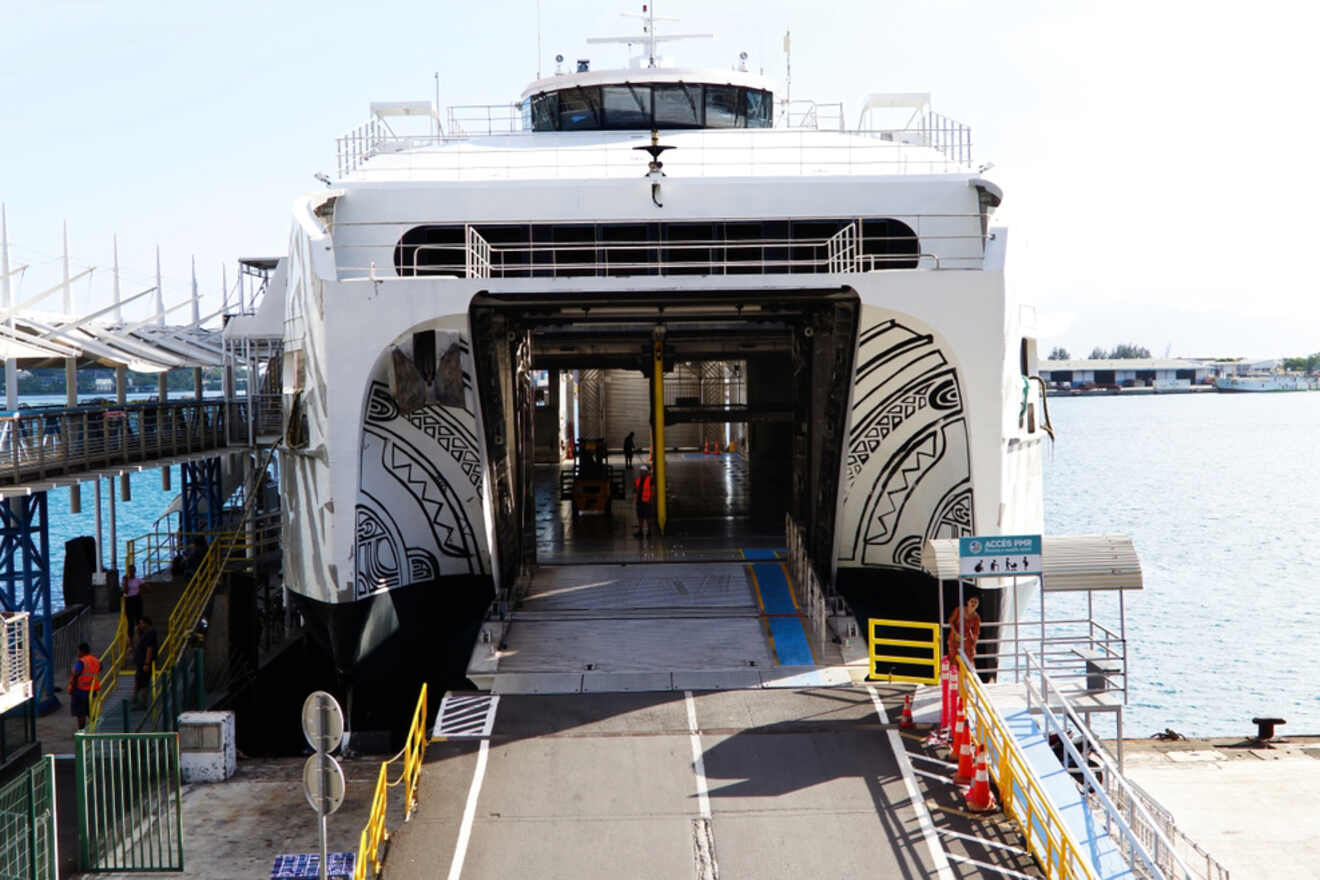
(641, 107)
(724, 107)
(579, 110)
(626, 106)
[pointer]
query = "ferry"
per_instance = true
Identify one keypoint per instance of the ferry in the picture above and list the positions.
(1265, 382)
(841, 288)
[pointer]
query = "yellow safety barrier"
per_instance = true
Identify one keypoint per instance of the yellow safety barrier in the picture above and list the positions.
(114, 662)
(1020, 793)
(372, 840)
(931, 644)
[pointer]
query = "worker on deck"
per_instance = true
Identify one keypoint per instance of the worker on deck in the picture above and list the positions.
(643, 492)
(83, 680)
(629, 447)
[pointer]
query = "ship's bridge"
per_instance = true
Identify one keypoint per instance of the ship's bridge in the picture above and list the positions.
(648, 98)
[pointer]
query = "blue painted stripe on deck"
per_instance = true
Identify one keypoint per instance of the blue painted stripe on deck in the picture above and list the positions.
(775, 596)
(790, 641)
(764, 553)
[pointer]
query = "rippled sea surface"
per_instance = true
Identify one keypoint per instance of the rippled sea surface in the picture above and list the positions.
(1219, 493)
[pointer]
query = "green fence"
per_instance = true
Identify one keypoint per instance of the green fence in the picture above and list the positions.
(129, 801)
(27, 824)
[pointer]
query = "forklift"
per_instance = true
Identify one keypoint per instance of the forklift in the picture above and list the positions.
(592, 485)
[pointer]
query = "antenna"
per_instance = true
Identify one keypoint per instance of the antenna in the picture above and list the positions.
(649, 36)
(788, 71)
(538, 41)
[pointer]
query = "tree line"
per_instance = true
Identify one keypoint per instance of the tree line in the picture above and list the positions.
(1124, 351)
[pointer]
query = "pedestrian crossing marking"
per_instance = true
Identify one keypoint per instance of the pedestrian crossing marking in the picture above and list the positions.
(466, 715)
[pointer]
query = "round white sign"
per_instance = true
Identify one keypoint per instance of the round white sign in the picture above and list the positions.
(323, 783)
(322, 722)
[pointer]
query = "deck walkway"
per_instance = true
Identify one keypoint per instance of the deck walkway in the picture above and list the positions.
(42, 448)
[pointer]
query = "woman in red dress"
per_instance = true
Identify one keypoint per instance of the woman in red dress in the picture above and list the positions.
(964, 630)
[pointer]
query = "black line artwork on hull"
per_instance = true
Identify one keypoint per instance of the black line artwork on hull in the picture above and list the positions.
(908, 467)
(419, 484)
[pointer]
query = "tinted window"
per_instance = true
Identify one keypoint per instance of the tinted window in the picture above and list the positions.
(627, 106)
(545, 112)
(759, 108)
(579, 110)
(724, 107)
(678, 106)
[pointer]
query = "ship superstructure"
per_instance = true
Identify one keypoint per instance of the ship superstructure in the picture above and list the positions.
(611, 223)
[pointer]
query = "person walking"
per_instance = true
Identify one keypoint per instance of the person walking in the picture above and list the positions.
(965, 629)
(643, 492)
(629, 447)
(145, 648)
(84, 679)
(133, 597)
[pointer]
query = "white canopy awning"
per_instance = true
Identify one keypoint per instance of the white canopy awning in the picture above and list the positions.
(1068, 563)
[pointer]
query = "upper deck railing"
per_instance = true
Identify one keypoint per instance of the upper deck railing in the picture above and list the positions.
(41, 443)
(815, 149)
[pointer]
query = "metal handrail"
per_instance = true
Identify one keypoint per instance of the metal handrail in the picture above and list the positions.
(374, 835)
(1139, 834)
(15, 659)
(1039, 821)
(40, 442)
(950, 138)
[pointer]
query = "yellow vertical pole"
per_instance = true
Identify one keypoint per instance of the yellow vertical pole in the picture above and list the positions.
(658, 409)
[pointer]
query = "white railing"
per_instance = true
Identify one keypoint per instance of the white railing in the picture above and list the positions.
(15, 660)
(477, 120)
(478, 255)
(1089, 656)
(1144, 841)
(847, 251)
(812, 115)
(797, 149)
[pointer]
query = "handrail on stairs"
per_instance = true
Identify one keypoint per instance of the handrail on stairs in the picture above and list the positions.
(183, 619)
(188, 610)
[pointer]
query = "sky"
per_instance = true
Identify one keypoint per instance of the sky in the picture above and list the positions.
(1154, 156)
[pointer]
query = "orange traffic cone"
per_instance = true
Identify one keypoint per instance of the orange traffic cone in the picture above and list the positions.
(961, 734)
(965, 772)
(979, 797)
(906, 720)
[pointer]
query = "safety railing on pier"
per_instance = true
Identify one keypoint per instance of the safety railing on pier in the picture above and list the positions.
(188, 610)
(1083, 654)
(816, 143)
(919, 642)
(1022, 794)
(163, 550)
(38, 443)
(372, 840)
(1149, 838)
(15, 659)
(222, 549)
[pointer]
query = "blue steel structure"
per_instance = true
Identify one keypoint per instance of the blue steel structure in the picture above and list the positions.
(201, 501)
(25, 562)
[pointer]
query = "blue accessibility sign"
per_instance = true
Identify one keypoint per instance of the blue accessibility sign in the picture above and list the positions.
(999, 555)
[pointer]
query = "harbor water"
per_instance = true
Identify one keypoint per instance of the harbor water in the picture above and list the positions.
(1218, 492)
(1219, 495)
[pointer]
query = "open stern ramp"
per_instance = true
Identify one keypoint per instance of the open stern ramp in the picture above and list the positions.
(653, 627)
(757, 783)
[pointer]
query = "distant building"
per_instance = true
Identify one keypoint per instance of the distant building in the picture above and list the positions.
(1151, 372)
(105, 384)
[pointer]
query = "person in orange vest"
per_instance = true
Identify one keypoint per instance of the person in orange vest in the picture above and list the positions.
(83, 680)
(964, 630)
(643, 492)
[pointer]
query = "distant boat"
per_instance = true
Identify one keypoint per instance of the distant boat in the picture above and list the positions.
(1270, 382)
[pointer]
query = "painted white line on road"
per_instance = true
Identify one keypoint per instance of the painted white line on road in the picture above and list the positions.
(943, 869)
(469, 813)
(698, 764)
